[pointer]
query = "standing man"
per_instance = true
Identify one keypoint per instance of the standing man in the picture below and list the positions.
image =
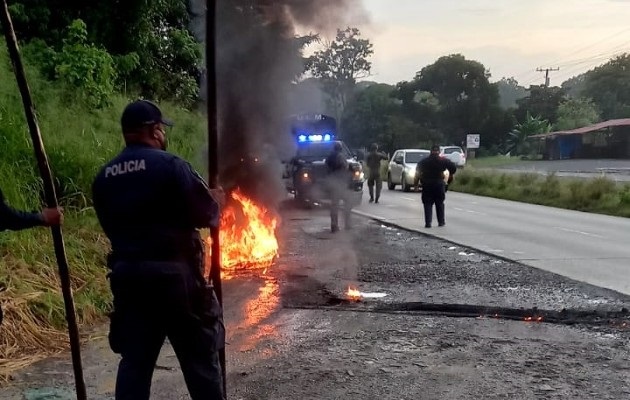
(14, 220)
(373, 161)
(433, 186)
(338, 180)
(151, 205)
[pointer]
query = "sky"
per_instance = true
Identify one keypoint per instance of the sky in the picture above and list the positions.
(511, 38)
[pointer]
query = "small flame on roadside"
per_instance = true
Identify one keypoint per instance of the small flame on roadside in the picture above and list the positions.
(353, 293)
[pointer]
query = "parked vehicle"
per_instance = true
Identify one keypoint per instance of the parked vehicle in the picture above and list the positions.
(402, 168)
(455, 154)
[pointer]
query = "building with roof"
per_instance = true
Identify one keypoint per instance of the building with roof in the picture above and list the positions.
(608, 139)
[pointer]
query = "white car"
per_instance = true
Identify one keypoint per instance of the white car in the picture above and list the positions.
(402, 168)
(455, 154)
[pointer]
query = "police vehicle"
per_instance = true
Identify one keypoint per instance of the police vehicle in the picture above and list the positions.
(305, 174)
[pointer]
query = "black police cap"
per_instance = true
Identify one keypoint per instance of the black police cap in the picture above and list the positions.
(141, 113)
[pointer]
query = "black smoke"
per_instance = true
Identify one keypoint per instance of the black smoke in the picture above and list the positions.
(259, 59)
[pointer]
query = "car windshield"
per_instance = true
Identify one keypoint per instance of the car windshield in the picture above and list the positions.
(415, 156)
(451, 150)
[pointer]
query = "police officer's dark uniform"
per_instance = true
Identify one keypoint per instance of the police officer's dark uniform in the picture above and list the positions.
(15, 220)
(433, 186)
(150, 204)
(338, 180)
(373, 161)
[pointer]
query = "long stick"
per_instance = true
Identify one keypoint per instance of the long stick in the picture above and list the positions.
(51, 197)
(213, 157)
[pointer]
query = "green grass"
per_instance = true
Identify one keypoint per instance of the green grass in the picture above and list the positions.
(78, 142)
(600, 195)
(494, 161)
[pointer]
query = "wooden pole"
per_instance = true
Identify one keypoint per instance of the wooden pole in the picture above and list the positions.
(51, 197)
(213, 158)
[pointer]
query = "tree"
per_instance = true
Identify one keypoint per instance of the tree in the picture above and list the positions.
(518, 138)
(509, 92)
(341, 64)
(541, 101)
(573, 87)
(609, 87)
(156, 33)
(576, 113)
(464, 94)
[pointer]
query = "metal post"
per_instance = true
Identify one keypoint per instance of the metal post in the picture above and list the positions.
(213, 157)
(51, 197)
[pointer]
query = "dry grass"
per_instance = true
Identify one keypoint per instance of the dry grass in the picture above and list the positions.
(34, 325)
(24, 337)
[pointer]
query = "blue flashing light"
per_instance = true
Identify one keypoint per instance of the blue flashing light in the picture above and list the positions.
(308, 138)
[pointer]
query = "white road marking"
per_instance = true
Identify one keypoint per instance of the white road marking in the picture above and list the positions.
(408, 198)
(469, 211)
(579, 232)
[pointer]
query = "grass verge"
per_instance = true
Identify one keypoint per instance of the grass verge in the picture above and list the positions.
(598, 195)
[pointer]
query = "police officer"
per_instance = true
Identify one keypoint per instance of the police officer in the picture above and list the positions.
(433, 186)
(151, 204)
(15, 220)
(338, 180)
(373, 161)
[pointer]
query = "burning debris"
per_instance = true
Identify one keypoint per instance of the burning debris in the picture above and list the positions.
(247, 235)
(353, 294)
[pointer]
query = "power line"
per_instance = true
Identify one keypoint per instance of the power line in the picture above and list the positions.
(590, 46)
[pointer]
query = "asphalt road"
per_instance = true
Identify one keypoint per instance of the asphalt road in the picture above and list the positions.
(292, 335)
(586, 247)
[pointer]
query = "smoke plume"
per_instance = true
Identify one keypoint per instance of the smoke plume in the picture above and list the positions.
(259, 58)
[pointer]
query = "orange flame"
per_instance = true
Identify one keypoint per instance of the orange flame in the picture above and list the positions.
(247, 235)
(353, 293)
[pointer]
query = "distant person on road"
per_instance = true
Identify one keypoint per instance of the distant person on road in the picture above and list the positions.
(373, 161)
(14, 220)
(338, 177)
(433, 186)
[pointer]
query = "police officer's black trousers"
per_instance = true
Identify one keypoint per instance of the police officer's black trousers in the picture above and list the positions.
(372, 181)
(148, 308)
(433, 193)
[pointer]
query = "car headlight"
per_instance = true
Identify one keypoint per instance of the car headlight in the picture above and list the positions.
(411, 172)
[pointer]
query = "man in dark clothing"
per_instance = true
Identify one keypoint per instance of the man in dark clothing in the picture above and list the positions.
(151, 204)
(14, 220)
(338, 180)
(373, 161)
(433, 186)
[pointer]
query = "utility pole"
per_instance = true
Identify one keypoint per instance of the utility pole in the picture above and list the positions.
(546, 71)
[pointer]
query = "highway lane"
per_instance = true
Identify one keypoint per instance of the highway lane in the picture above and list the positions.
(586, 247)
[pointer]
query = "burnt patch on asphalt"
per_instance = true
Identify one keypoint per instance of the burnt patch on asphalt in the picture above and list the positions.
(619, 320)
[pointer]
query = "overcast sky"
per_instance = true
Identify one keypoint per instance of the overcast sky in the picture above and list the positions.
(510, 37)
